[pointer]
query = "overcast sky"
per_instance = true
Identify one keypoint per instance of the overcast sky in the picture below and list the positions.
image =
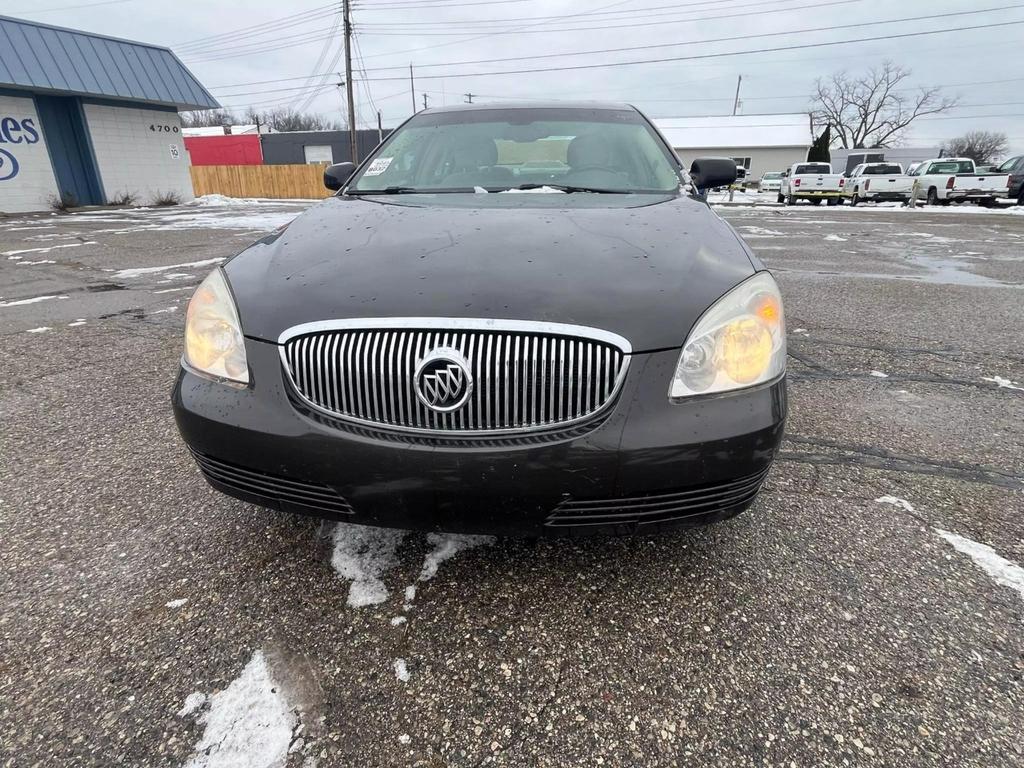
(302, 38)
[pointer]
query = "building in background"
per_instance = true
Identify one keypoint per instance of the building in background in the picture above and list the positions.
(88, 119)
(905, 156)
(759, 143)
(224, 145)
(304, 147)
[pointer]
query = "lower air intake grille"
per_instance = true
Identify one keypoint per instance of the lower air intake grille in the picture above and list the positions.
(656, 507)
(273, 488)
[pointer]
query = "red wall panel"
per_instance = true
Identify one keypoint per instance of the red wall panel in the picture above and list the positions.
(225, 150)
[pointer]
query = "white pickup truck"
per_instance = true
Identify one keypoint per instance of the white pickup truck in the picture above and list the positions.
(811, 181)
(877, 181)
(954, 178)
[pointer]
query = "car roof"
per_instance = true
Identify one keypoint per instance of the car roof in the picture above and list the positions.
(539, 104)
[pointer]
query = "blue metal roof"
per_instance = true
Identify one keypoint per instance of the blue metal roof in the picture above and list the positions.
(40, 57)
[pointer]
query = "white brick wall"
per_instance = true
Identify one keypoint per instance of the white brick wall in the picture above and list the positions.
(134, 158)
(34, 185)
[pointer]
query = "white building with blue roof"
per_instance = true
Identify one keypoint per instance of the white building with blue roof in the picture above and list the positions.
(88, 119)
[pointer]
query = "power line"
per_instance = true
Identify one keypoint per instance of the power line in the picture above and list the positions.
(266, 82)
(302, 38)
(321, 59)
(35, 12)
(270, 90)
(256, 37)
(617, 25)
(412, 4)
(218, 49)
(276, 23)
(273, 102)
(675, 8)
(697, 57)
(719, 39)
(481, 37)
(615, 16)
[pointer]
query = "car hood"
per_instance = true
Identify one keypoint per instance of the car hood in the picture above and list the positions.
(644, 267)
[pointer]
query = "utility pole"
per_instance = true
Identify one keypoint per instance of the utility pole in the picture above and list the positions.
(412, 88)
(469, 97)
(380, 127)
(424, 101)
(736, 101)
(352, 143)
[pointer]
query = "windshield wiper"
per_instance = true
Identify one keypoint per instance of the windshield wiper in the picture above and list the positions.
(571, 188)
(385, 191)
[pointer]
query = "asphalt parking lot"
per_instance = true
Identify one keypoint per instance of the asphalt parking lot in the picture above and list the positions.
(868, 610)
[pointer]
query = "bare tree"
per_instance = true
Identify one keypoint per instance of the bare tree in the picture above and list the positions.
(872, 110)
(981, 146)
(285, 119)
(207, 118)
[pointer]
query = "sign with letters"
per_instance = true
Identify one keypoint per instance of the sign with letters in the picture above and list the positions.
(14, 132)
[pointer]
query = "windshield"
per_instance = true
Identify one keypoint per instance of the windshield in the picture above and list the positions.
(882, 170)
(772, 176)
(499, 149)
(1009, 164)
(952, 166)
(814, 168)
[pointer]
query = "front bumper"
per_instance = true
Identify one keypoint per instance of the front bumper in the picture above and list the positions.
(645, 464)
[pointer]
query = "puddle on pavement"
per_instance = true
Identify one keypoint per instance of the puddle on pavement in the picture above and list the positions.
(938, 270)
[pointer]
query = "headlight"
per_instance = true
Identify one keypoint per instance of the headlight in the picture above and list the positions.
(739, 342)
(213, 335)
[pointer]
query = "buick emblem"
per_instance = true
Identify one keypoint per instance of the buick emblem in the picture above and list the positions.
(443, 380)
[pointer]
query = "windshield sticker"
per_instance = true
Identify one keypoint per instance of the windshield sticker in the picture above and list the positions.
(378, 166)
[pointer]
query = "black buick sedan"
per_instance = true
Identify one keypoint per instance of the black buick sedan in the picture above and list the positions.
(520, 320)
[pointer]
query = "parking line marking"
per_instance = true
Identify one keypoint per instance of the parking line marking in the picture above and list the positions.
(1001, 570)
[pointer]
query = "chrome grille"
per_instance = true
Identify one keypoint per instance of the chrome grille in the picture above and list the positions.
(526, 376)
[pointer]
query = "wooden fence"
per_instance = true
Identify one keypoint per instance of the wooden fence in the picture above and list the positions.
(276, 181)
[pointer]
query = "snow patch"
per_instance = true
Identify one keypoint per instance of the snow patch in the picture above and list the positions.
(447, 546)
(397, 621)
(193, 702)
(999, 569)
(139, 271)
(879, 375)
(1002, 383)
(30, 263)
(539, 190)
(248, 724)
(33, 300)
(405, 738)
(401, 670)
(896, 501)
(220, 201)
(362, 555)
(10, 254)
(40, 329)
(176, 603)
(78, 322)
(835, 239)
(760, 232)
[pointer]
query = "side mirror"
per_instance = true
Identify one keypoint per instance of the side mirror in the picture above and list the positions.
(711, 172)
(335, 176)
